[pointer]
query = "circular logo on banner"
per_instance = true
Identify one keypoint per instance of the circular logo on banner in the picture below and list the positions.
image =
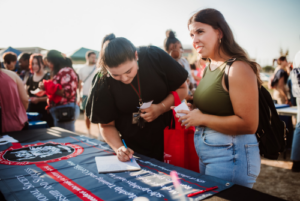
(39, 153)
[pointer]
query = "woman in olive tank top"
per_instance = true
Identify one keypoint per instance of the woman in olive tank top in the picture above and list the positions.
(226, 121)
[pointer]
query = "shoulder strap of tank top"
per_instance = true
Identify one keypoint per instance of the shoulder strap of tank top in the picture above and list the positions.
(228, 65)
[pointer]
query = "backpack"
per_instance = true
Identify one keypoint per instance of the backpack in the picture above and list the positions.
(271, 131)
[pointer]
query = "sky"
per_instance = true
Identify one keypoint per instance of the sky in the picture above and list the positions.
(261, 27)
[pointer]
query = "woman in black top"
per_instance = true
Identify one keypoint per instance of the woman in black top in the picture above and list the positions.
(130, 76)
(38, 103)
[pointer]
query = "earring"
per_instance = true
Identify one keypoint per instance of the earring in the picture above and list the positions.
(220, 41)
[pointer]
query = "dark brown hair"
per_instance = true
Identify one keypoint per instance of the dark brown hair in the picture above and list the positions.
(25, 56)
(193, 66)
(9, 57)
(89, 53)
(170, 39)
(115, 52)
(228, 45)
(281, 59)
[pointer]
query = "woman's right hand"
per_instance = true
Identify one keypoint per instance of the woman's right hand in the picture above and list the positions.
(124, 154)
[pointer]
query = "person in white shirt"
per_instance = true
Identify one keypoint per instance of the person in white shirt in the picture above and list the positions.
(86, 74)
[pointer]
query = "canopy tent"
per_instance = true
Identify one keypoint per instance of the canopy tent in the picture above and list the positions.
(79, 54)
(10, 49)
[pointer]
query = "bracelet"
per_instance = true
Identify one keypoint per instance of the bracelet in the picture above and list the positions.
(163, 104)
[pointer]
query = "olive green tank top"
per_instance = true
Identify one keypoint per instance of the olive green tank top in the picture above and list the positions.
(210, 96)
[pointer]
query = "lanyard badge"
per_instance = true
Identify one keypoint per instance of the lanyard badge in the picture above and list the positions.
(136, 118)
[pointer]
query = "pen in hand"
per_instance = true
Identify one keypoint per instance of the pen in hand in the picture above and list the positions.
(126, 148)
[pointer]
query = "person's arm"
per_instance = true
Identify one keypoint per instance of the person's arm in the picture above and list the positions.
(22, 92)
(280, 88)
(288, 69)
(196, 77)
(42, 99)
(79, 91)
(79, 86)
(156, 110)
(36, 100)
(111, 136)
(243, 92)
(26, 87)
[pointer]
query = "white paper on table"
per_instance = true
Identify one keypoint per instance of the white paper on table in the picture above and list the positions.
(146, 105)
(6, 139)
(108, 164)
(35, 91)
(182, 106)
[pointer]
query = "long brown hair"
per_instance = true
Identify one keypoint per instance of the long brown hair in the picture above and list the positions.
(228, 45)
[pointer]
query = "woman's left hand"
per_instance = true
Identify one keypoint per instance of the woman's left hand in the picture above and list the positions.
(41, 86)
(192, 118)
(34, 100)
(151, 113)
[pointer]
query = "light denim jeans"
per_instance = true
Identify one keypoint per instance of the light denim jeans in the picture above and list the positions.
(234, 158)
(70, 125)
(295, 155)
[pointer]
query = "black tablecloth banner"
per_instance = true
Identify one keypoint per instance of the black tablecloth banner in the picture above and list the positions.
(65, 169)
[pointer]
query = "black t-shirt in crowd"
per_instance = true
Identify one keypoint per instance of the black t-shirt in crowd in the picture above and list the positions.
(32, 85)
(111, 100)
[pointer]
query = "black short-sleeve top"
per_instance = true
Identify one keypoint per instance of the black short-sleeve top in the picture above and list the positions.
(32, 85)
(111, 100)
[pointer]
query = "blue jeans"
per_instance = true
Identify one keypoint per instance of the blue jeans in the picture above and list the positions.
(234, 158)
(296, 144)
(70, 125)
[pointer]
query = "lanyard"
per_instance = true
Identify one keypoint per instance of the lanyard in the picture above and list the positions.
(139, 93)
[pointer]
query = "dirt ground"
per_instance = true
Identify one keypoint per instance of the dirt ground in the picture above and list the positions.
(276, 177)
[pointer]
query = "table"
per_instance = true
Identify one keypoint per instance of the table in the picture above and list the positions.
(277, 106)
(288, 111)
(236, 192)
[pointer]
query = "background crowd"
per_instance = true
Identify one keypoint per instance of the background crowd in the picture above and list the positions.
(34, 70)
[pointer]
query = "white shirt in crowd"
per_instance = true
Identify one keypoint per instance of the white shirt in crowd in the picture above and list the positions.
(83, 73)
(187, 67)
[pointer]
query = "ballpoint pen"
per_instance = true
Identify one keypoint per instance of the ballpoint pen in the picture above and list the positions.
(126, 148)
